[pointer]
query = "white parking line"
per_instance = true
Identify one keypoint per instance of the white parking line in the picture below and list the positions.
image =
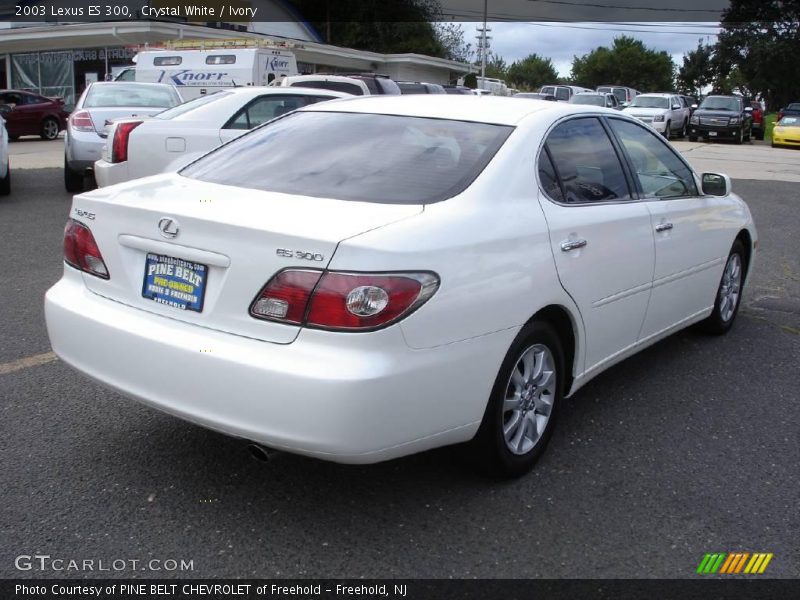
(28, 361)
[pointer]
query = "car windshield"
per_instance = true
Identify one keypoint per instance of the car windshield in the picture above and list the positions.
(793, 106)
(789, 122)
(189, 106)
(590, 99)
(130, 94)
(354, 156)
(720, 103)
(650, 102)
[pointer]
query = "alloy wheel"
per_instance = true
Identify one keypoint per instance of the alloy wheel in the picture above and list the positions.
(530, 393)
(730, 289)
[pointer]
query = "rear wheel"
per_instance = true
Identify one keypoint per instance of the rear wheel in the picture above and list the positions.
(73, 180)
(729, 293)
(692, 138)
(760, 134)
(522, 408)
(749, 135)
(49, 129)
(5, 182)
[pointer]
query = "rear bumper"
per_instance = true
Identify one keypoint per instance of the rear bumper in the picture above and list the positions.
(106, 173)
(82, 149)
(356, 398)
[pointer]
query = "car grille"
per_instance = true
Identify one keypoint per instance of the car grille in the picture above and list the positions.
(714, 121)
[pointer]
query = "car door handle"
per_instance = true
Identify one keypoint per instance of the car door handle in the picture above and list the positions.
(568, 245)
(663, 227)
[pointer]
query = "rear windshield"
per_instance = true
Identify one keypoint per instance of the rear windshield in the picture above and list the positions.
(132, 94)
(334, 86)
(353, 156)
(182, 109)
(590, 99)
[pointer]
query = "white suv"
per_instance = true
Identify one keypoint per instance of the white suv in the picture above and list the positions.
(663, 112)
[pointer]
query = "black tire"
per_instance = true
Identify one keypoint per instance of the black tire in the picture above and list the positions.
(721, 319)
(760, 135)
(489, 449)
(667, 132)
(5, 182)
(73, 180)
(740, 136)
(13, 138)
(685, 129)
(49, 129)
(692, 138)
(749, 135)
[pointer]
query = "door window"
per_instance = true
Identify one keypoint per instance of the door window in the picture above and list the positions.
(266, 108)
(586, 163)
(562, 93)
(660, 172)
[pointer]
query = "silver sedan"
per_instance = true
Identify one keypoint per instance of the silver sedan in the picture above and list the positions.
(101, 101)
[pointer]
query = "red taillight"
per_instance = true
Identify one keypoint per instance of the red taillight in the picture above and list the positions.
(81, 121)
(342, 301)
(119, 145)
(81, 251)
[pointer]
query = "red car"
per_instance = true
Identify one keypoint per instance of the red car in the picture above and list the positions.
(27, 113)
(758, 120)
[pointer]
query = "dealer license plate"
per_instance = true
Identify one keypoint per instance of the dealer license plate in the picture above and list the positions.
(176, 282)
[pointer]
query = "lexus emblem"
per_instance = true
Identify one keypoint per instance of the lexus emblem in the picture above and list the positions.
(168, 227)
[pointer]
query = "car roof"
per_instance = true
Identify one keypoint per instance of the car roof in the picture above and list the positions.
(257, 90)
(497, 110)
(129, 83)
(658, 94)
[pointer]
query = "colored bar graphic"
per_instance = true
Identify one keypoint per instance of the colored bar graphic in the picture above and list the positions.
(734, 563)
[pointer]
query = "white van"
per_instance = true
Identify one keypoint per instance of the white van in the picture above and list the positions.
(198, 72)
(563, 93)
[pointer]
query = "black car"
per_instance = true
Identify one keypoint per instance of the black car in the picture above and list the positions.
(722, 117)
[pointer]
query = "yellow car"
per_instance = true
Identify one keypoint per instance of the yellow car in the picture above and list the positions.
(786, 132)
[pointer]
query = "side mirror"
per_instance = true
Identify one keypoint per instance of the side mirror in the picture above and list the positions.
(716, 184)
(676, 107)
(694, 105)
(748, 109)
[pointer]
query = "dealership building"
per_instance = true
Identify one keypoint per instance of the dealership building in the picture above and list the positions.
(60, 59)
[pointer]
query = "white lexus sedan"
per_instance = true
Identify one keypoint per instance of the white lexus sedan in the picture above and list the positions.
(407, 272)
(171, 139)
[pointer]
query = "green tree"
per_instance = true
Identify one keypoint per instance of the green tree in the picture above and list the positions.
(628, 62)
(757, 49)
(451, 37)
(697, 71)
(496, 66)
(532, 72)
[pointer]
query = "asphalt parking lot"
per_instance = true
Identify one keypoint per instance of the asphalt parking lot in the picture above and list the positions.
(687, 448)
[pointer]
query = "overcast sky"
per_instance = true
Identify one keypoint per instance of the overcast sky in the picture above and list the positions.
(560, 42)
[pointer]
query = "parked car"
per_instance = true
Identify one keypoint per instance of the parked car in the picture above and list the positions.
(535, 96)
(563, 92)
(32, 114)
(417, 87)
(138, 147)
(596, 99)
(722, 117)
(457, 89)
(388, 280)
(624, 95)
(758, 119)
(787, 132)
(100, 102)
(356, 84)
(691, 103)
(5, 168)
(665, 113)
(792, 109)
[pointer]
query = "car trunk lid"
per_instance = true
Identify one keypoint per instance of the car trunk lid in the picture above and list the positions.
(242, 238)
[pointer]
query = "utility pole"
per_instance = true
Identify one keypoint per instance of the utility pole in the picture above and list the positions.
(483, 39)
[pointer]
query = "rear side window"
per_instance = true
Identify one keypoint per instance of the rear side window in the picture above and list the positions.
(548, 90)
(167, 61)
(385, 159)
(586, 162)
(265, 108)
(661, 174)
(562, 93)
(413, 88)
(221, 59)
(334, 86)
(187, 107)
(549, 178)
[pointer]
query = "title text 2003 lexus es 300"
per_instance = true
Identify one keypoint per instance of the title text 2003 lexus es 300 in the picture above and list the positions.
(368, 278)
